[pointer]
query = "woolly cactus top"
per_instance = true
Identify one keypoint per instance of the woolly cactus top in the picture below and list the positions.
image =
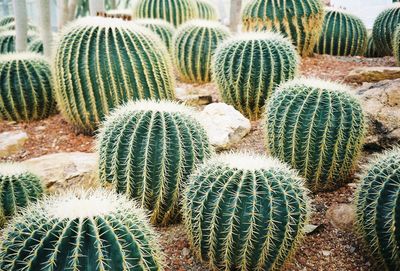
(12, 169)
(13, 33)
(316, 83)
(22, 56)
(150, 21)
(202, 23)
(264, 35)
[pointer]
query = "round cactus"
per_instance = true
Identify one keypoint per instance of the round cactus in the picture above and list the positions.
(11, 26)
(173, 11)
(207, 10)
(80, 230)
(396, 45)
(317, 127)
(343, 34)
(7, 40)
(371, 50)
(245, 212)
(162, 28)
(377, 203)
(6, 20)
(36, 46)
(26, 87)
(147, 150)
(384, 27)
(249, 67)
(301, 21)
(194, 46)
(102, 62)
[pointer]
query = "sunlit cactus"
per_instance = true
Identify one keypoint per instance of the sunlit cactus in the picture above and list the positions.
(36, 46)
(7, 40)
(162, 28)
(396, 45)
(384, 27)
(371, 50)
(207, 10)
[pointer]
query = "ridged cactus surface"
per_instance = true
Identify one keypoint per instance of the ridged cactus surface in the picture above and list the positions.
(249, 67)
(396, 45)
(318, 128)
(26, 87)
(6, 20)
(207, 10)
(300, 20)
(372, 51)
(11, 26)
(36, 46)
(245, 212)
(384, 27)
(80, 230)
(162, 28)
(7, 40)
(102, 62)
(147, 150)
(195, 43)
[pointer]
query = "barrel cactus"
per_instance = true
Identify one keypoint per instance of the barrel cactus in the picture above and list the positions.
(147, 150)
(318, 128)
(301, 21)
(245, 212)
(80, 230)
(103, 62)
(6, 20)
(371, 50)
(384, 28)
(207, 10)
(11, 26)
(194, 46)
(396, 45)
(26, 87)
(36, 46)
(248, 68)
(7, 40)
(162, 28)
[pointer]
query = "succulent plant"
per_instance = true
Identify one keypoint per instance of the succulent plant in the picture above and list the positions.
(195, 43)
(26, 87)
(36, 46)
(11, 27)
(103, 62)
(6, 20)
(207, 10)
(396, 45)
(162, 28)
(247, 69)
(245, 212)
(371, 50)
(7, 40)
(301, 21)
(80, 230)
(147, 150)
(383, 30)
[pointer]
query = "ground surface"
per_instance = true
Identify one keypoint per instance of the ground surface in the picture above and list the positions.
(327, 248)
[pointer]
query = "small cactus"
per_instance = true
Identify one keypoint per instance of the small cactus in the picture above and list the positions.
(195, 43)
(318, 128)
(80, 230)
(36, 46)
(162, 28)
(371, 50)
(207, 10)
(7, 40)
(396, 45)
(245, 212)
(384, 28)
(249, 67)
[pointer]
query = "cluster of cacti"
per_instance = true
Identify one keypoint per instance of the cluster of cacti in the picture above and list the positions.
(384, 28)
(245, 212)
(343, 34)
(147, 150)
(96, 71)
(249, 67)
(92, 230)
(207, 10)
(371, 50)
(162, 28)
(318, 128)
(6, 20)
(173, 11)
(7, 40)
(195, 43)
(26, 87)
(377, 203)
(36, 46)
(301, 21)
(396, 45)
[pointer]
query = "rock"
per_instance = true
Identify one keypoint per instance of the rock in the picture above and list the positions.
(326, 253)
(12, 142)
(193, 96)
(60, 171)
(224, 124)
(342, 216)
(372, 74)
(185, 251)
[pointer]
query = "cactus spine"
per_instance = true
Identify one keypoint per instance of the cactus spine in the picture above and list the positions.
(396, 45)
(147, 150)
(317, 127)
(384, 28)
(371, 50)
(207, 10)
(6, 20)
(194, 46)
(245, 212)
(249, 67)
(36, 46)
(162, 28)
(7, 40)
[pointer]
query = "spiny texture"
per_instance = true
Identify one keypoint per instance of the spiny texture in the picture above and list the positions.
(162, 28)
(245, 212)
(173, 11)
(378, 216)
(147, 150)
(396, 45)
(7, 41)
(194, 46)
(36, 46)
(249, 67)
(6, 20)
(371, 50)
(384, 27)
(318, 128)
(80, 231)
(301, 21)
(343, 34)
(207, 10)
(102, 62)
(26, 87)
(11, 26)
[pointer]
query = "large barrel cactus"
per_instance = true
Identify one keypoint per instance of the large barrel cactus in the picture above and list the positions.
(26, 87)
(343, 34)
(148, 149)
(102, 62)
(245, 212)
(207, 10)
(317, 127)
(249, 67)
(396, 45)
(162, 28)
(80, 230)
(7, 40)
(194, 46)
(300, 20)
(384, 28)
(371, 50)
(378, 216)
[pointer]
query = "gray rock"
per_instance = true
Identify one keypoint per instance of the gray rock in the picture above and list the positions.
(342, 216)
(12, 142)
(372, 74)
(193, 97)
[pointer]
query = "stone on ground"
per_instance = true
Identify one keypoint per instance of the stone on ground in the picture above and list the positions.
(194, 97)
(11, 142)
(372, 74)
(342, 216)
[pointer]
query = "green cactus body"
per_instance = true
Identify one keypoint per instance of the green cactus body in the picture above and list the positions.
(378, 216)
(343, 34)
(301, 21)
(245, 212)
(102, 62)
(80, 230)
(396, 45)
(249, 67)
(36, 46)
(318, 128)
(147, 150)
(384, 28)
(26, 87)
(162, 28)
(6, 20)
(207, 10)
(7, 40)
(371, 50)
(174, 11)
(195, 43)
(11, 27)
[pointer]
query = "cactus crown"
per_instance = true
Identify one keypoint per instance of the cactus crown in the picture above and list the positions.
(207, 10)
(162, 28)
(384, 27)
(7, 169)
(7, 40)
